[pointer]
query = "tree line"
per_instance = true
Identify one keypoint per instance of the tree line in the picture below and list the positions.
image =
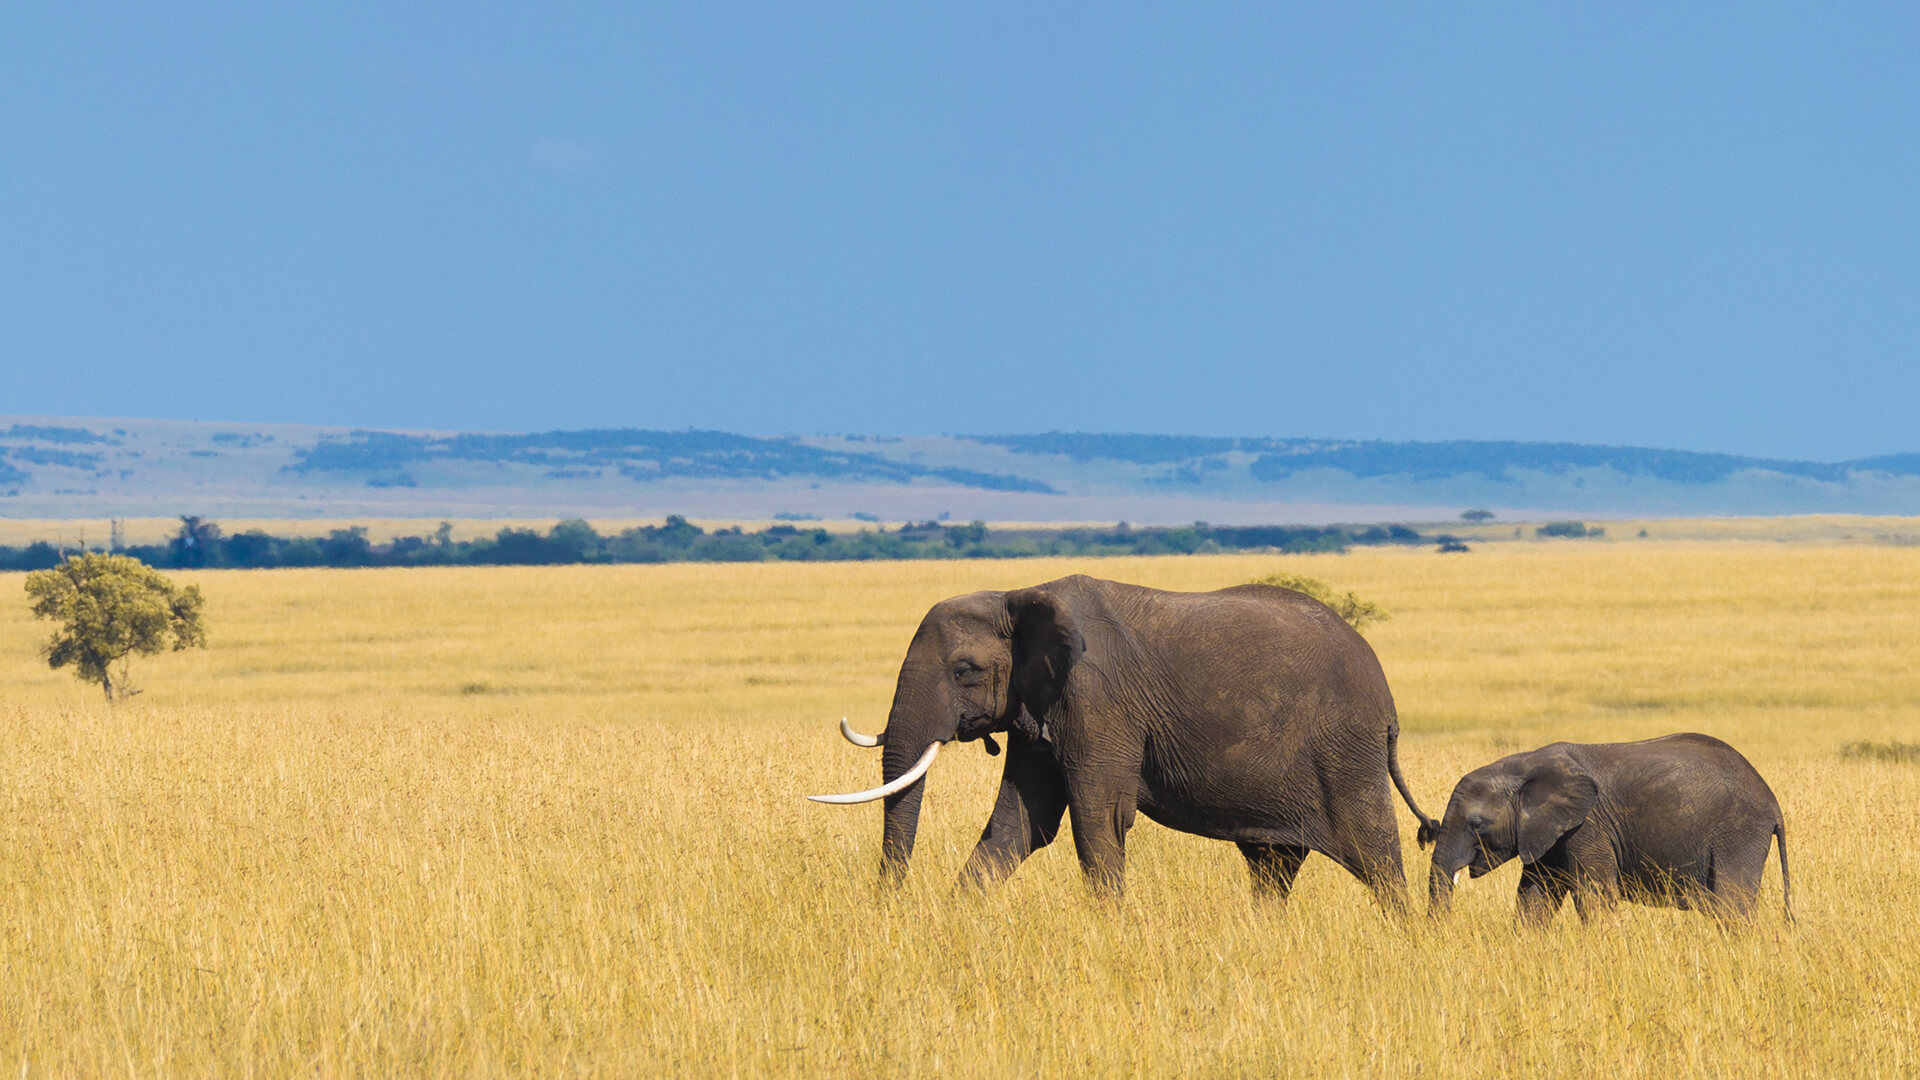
(200, 543)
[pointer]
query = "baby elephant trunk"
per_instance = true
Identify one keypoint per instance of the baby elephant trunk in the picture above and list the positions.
(1439, 890)
(1452, 851)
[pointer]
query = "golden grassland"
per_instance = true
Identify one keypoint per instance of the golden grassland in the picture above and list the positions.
(459, 822)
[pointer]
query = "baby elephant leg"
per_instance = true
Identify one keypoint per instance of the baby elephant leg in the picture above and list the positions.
(1595, 900)
(1733, 880)
(1541, 893)
(1594, 873)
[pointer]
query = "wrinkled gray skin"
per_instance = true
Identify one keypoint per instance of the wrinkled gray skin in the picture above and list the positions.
(1252, 714)
(1682, 821)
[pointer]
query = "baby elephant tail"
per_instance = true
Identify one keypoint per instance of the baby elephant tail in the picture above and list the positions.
(1786, 879)
(1429, 828)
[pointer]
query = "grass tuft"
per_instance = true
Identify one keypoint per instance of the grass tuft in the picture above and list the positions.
(1883, 751)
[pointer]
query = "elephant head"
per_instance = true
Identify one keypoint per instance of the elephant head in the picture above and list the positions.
(980, 663)
(1520, 805)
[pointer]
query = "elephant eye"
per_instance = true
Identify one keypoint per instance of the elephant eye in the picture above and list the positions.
(1477, 822)
(964, 668)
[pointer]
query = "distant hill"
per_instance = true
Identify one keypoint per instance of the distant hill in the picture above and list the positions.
(64, 467)
(386, 457)
(1280, 458)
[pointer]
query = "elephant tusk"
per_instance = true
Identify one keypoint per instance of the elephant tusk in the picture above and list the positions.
(903, 781)
(1456, 876)
(855, 737)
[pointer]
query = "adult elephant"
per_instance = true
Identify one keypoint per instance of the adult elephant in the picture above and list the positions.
(1252, 714)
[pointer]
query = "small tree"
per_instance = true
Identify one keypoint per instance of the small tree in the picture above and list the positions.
(196, 543)
(110, 607)
(573, 541)
(347, 547)
(1476, 516)
(1357, 612)
(962, 535)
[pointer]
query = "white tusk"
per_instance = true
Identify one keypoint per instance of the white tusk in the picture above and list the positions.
(904, 780)
(855, 737)
(1457, 875)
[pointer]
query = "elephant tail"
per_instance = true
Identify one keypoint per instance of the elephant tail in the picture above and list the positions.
(1429, 828)
(1786, 879)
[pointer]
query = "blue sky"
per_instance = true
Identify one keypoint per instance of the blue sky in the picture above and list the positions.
(1694, 229)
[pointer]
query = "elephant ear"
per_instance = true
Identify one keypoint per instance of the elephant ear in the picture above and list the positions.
(1046, 645)
(1555, 796)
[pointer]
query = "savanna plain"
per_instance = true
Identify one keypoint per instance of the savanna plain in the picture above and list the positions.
(465, 822)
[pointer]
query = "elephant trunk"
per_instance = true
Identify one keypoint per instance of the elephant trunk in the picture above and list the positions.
(1439, 890)
(902, 819)
(896, 840)
(1452, 851)
(918, 724)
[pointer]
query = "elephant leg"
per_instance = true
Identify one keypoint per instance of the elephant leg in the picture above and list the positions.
(1273, 868)
(1367, 843)
(1733, 883)
(1595, 903)
(1387, 881)
(1026, 815)
(1541, 894)
(1380, 873)
(1593, 873)
(1100, 823)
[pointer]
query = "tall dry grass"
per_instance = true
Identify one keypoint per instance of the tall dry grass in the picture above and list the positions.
(472, 822)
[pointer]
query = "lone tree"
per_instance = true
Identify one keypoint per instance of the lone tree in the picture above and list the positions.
(110, 607)
(1476, 516)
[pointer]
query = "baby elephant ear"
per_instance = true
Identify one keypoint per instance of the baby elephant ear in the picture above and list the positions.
(1046, 644)
(1555, 797)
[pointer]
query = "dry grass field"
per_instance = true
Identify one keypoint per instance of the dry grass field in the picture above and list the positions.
(550, 821)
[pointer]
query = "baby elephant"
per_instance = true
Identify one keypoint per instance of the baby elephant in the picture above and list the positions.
(1681, 820)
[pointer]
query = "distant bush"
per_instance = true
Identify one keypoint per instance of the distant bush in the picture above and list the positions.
(1883, 751)
(1451, 544)
(1476, 515)
(1569, 528)
(38, 555)
(1358, 613)
(966, 535)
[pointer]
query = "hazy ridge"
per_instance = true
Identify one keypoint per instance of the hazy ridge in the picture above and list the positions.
(72, 467)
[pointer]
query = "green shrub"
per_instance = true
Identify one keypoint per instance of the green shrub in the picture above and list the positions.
(1357, 612)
